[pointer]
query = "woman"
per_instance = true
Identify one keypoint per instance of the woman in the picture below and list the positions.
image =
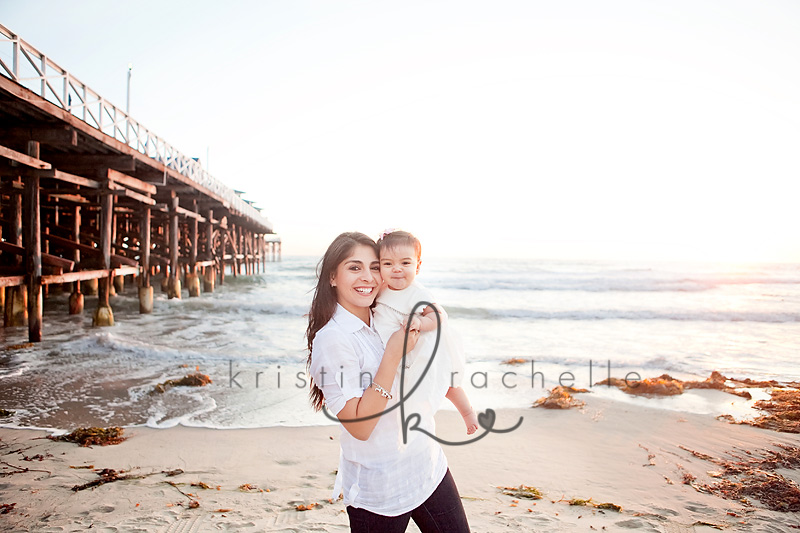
(384, 481)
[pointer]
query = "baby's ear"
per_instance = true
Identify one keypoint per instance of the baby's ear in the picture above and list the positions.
(419, 264)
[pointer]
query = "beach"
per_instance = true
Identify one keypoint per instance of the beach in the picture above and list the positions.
(264, 454)
(605, 452)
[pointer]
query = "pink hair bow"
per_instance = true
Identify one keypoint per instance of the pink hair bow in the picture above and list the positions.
(385, 233)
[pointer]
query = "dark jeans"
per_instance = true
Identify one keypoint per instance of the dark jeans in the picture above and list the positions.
(441, 513)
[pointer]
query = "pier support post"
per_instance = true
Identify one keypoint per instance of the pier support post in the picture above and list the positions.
(192, 284)
(209, 278)
(192, 280)
(261, 254)
(112, 285)
(253, 254)
(76, 298)
(145, 300)
(2, 289)
(119, 284)
(224, 240)
(232, 235)
(145, 290)
(76, 302)
(103, 316)
(209, 274)
(33, 250)
(174, 284)
(90, 286)
(16, 308)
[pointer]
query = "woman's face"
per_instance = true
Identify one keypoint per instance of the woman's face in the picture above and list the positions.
(357, 280)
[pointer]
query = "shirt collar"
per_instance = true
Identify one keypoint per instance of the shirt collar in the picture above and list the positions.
(348, 321)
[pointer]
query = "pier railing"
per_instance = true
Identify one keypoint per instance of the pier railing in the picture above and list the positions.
(35, 71)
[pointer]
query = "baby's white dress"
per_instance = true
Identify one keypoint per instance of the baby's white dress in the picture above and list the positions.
(446, 370)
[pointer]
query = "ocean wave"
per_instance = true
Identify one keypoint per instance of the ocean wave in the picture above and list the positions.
(250, 307)
(244, 305)
(600, 284)
(618, 314)
(13, 371)
(123, 347)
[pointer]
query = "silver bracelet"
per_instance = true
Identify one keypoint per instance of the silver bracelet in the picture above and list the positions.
(380, 389)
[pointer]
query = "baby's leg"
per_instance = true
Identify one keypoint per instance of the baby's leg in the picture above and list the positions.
(459, 398)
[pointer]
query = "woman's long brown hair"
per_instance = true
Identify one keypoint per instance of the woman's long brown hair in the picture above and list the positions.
(323, 305)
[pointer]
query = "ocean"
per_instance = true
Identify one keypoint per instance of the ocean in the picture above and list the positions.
(574, 322)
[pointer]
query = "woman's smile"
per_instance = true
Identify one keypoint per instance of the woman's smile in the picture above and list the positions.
(356, 280)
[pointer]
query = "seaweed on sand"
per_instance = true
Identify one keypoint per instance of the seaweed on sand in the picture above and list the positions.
(716, 381)
(783, 411)
(666, 385)
(106, 475)
(308, 507)
(755, 477)
(663, 385)
(523, 491)
(190, 380)
(109, 475)
(92, 436)
(560, 398)
(249, 487)
(590, 503)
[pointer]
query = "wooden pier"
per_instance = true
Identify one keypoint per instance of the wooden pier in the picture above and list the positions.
(90, 197)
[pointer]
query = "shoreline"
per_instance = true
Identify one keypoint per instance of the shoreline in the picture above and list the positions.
(628, 455)
(93, 401)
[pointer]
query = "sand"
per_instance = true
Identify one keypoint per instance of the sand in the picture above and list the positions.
(612, 452)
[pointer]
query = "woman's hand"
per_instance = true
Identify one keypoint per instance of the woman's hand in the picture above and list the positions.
(394, 346)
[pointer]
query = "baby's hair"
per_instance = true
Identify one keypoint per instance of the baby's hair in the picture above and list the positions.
(397, 238)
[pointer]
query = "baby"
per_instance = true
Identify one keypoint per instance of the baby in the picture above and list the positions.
(400, 259)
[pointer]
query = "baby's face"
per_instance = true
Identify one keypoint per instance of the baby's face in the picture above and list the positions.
(399, 266)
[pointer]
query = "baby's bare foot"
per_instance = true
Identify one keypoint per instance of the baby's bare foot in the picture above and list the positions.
(471, 420)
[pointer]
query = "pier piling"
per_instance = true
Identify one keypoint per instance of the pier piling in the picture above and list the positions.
(85, 201)
(33, 250)
(103, 316)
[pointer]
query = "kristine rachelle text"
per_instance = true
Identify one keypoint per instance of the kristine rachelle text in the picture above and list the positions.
(478, 380)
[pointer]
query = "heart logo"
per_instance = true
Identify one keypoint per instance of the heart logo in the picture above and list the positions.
(486, 420)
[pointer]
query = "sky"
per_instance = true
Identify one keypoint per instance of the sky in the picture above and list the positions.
(577, 129)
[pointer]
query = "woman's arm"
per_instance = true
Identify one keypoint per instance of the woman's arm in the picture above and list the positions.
(373, 402)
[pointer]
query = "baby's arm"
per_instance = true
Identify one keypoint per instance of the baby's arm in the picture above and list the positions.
(427, 320)
(460, 400)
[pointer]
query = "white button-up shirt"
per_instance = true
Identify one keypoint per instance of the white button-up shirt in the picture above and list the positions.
(381, 474)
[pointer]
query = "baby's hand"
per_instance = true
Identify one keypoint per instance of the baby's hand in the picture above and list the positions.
(471, 420)
(415, 323)
(429, 311)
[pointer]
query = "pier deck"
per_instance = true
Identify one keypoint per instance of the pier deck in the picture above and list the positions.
(89, 196)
